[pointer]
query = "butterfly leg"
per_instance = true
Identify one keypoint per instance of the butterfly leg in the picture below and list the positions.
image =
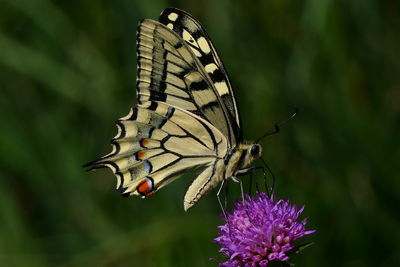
(244, 199)
(250, 171)
(235, 179)
(245, 171)
(223, 184)
(226, 195)
(242, 192)
(265, 178)
(250, 183)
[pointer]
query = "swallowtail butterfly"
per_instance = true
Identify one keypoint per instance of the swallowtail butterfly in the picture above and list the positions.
(186, 115)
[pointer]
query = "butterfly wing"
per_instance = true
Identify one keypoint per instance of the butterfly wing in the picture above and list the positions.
(156, 142)
(168, 71)
(180, 122)
(195, 36)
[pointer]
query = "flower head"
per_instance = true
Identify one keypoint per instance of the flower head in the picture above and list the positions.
(259, 231)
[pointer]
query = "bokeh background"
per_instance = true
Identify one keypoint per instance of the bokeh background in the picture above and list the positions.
(68, 70)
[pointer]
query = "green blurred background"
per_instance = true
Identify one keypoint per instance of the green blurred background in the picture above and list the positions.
(67, 72)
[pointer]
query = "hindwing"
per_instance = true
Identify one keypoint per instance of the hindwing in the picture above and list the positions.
(155, 143)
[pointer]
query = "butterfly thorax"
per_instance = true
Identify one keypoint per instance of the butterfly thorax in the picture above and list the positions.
(240, 157)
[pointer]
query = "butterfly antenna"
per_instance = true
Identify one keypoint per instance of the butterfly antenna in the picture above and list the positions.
(278, 126)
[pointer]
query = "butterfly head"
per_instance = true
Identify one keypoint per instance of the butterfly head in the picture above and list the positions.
(251, 152)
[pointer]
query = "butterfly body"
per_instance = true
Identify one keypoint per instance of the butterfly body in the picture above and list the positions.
(186, 116)
(235, 162)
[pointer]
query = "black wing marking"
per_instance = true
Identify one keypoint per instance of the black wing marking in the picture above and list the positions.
(168, 71)
(155, 143)
(195, 36)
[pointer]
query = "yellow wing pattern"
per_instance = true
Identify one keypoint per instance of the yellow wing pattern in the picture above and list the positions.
(156, 142)
(195, 36)
(168, 71)
(186, 116)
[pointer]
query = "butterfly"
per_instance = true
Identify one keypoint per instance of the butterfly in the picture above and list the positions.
(186, 114)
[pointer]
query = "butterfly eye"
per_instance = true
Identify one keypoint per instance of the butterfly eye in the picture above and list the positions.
(255, 150)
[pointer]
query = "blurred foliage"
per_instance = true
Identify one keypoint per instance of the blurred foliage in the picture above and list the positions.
(67, 72)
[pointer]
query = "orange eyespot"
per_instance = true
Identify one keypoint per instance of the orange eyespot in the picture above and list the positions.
(144, 142)
(146, 187)
(140, 155)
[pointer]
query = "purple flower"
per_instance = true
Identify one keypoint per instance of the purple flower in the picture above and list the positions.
(260, 231)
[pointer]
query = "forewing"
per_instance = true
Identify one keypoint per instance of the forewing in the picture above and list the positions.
(195, 36)
(170, 72)
(155, 143)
